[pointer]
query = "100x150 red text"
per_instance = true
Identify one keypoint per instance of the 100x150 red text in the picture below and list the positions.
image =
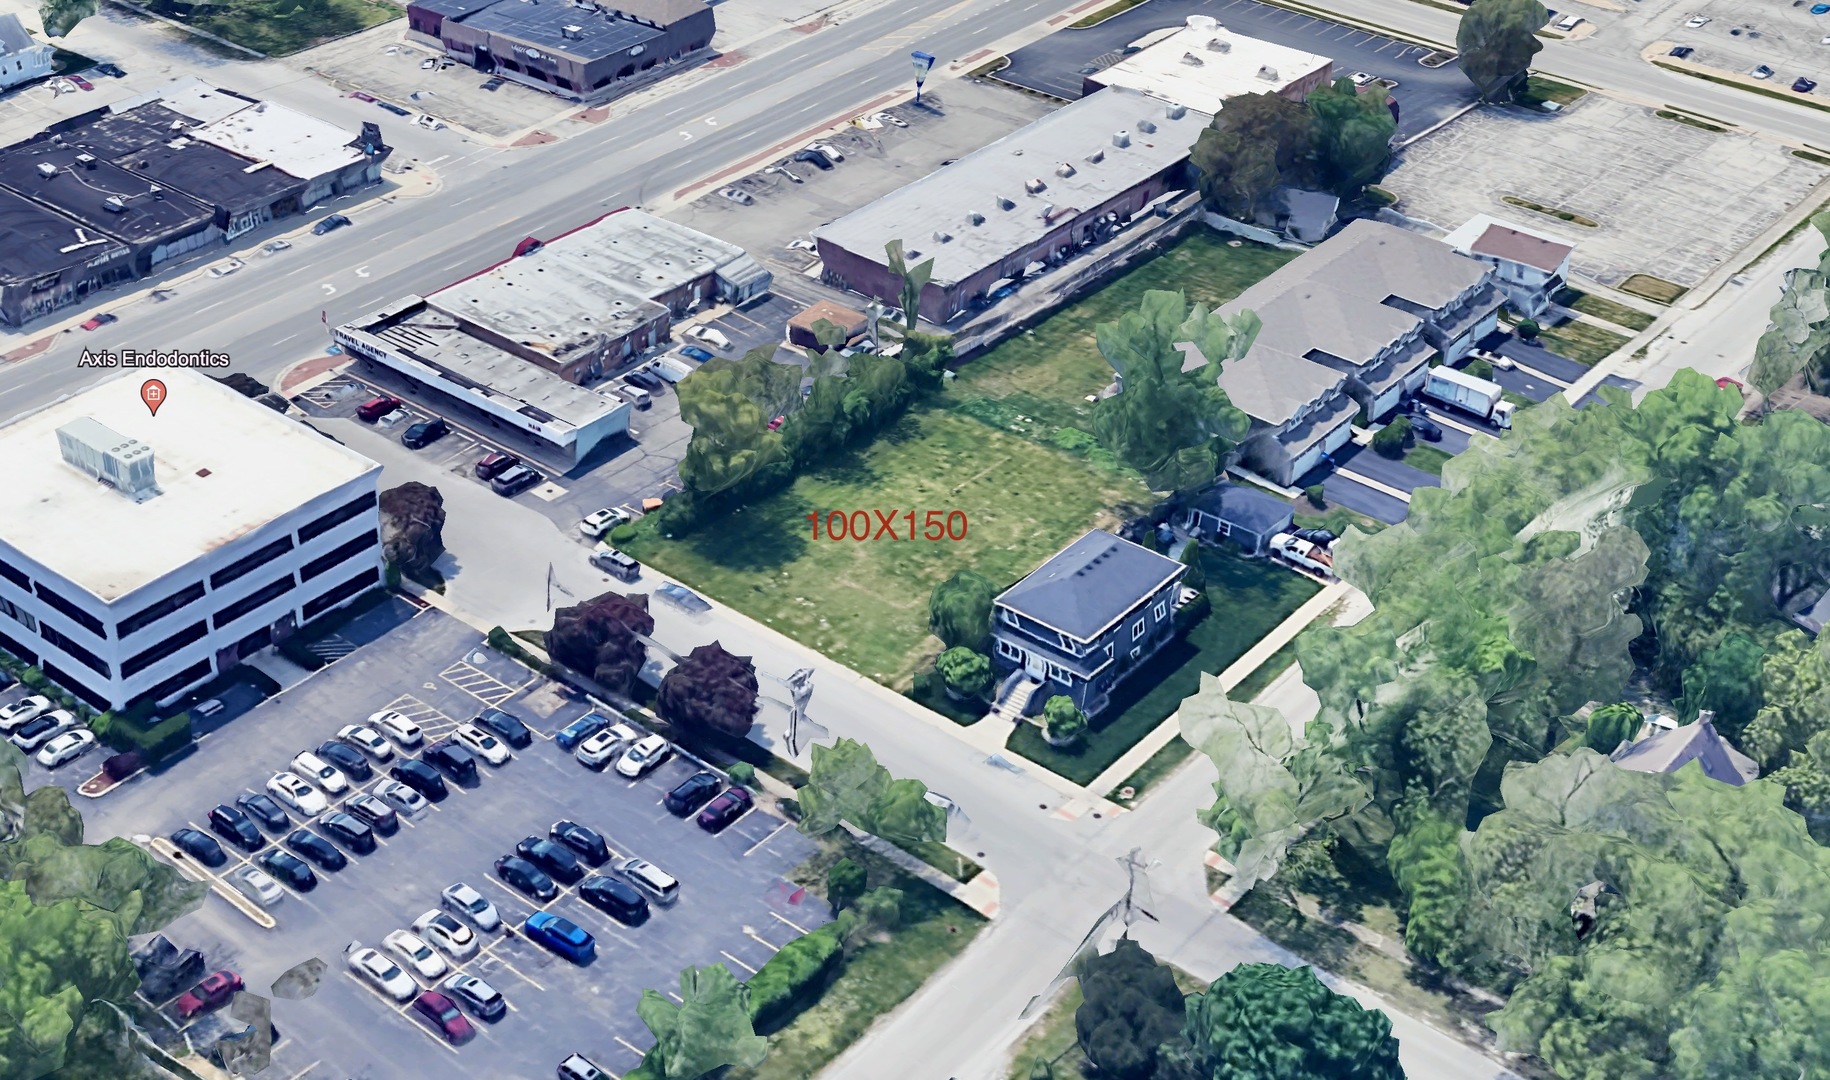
(930, 525)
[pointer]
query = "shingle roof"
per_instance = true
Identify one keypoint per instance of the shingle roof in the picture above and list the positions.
(1090, 584)
(1269, 385)
(1248, 508)
(13, 35)
(1670, 750)
(1502, 242)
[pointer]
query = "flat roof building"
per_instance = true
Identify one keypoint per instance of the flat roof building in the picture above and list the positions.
(142, 554)
(1033, 197)
(1204, 63)
(661, 260)
(50, 261)
(157, 223)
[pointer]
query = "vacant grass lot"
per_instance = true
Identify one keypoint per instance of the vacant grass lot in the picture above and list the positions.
(1582, 342)
(259, 26)
(1603, 308)
(1248, 597)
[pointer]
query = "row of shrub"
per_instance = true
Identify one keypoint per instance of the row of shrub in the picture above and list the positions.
(139, 731)
(39, 683)
(795, 977)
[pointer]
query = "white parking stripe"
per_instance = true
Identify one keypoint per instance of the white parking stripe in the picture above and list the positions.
(736, 961)
(779, 919)
(765, 840)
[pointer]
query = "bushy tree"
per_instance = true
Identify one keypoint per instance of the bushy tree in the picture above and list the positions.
(1389, 441)
(1353, 134)
(1063, 721)
(1496, 40)
(598, 637)
(1611, 725)
(959, 610)
(1270, 1022)
(708, 1030)
(1254, 145)
(1130, 1007)
(967, 673)
(1725, 680)
(711, 690)
(731, 440)
(1195, 577)
(1425, 859)
(847, 784)
(845, 882)
(881, 908)
(1798, 338)
(412, 526)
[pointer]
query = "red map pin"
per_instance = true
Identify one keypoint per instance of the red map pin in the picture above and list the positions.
(152, 391)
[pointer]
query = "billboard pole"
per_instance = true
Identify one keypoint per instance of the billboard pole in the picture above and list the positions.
(924, 62)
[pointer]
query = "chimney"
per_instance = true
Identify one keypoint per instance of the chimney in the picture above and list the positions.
(122, 462)
(1005, 204)
(1121, 139)
(1097, 156)
(1219, 45)
(1268, 73)
(87, 161)
(1192, 60)
(975, 218)
(941, 236)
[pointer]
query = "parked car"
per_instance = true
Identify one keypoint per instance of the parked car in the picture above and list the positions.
(506, 727)
(738, 196)
(360, 96)
(257, 885)
(481, 743)
(372, 811)
(274, 247)
(80, 83)
(562, 936)
(14, 716)
(494, 464)
(1569, 22)
(492, 85)
(482, 1000)
(200, 846)
(470, 905)
(96, 322)
(383, 974)
(164, 968)
(377, 407)
(600, 749)
(453, 760)
(641, 758)
(395, 109)
(726, 808)
(580, 1067)
(1696, 22)
(710, 335)
(526, 878)
(65, 748)
(616, 898)
(329, 224)
(1761, 71)
(346, 759)
(694, 352)
(414, 954)
(320, 852)
(587, 843)
(209, 995)
(1804, 85)
(597, 522)
(396, 726)
(691, 793)
(402, 798)
(422, 778)
(436, 1011)
(660, 885)
(425, 433)
(555, 860)
(891, 119)
(233, 825)
(580, 729)
(288, 868)
(367, 740)
(348, 830)
(682, 597)
(827, 149)
(113, 71)
(515, 480)
(320, 772)
(647, 380)
(41, 729)
(1681, 51)
(1426, 429)
(453, 938)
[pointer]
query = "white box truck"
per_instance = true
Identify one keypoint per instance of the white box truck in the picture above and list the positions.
(1465, 392)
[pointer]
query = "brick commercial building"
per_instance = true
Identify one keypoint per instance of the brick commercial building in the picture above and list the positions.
(1030, 200)
(578, 49)
(1204, 63)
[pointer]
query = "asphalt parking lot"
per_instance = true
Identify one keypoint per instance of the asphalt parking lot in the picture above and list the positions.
(1738, 35)
(1425, 96)
(735, 907)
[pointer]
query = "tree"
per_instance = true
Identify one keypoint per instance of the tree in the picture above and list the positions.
(412, 526)
(846, 784)
(1195, 577)
(1798, 338)
(1353, 135)
(1726, 681)
(1611, 725)
(711, 690)
(959, 610)
(1269, 1022)
(1254, 145)
(1496, 40)
(1063, 724)
(1425, 860)
(731, 440)
(1389, 442)
(910, 281)
(598, 637)
(845, 882)
(1528, 329)
(1174, 426)
(967, 673)
(775, 389)
(61, 16)
(1130, 1006)
(707, 1031)
(903, 815)
(881, 908)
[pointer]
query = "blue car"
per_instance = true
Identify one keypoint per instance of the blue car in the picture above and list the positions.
(563, 937)
(579, 730)
(694, 352)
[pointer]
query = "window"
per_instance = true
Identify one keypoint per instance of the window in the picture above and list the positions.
(83, 618)
(152, 613)
(1009, 617)
(170, 645)
(343, 592)
(19, 615)
(1137, 652)
(247, 564)
(1060, 674)
(1005, 648)
(341, 554)
(75, 686)
(194, 674)
(15, 575)
(337, 517)
(1137, 630)
(265, 594)
(83, 656)
(1162, 609)
(18, 650)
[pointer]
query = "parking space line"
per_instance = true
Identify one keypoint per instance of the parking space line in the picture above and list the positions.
(765, 840)
(631, 1047)
(306, 1071)
(736, 961)
(750, 932)
(779, 919)
(478, 683)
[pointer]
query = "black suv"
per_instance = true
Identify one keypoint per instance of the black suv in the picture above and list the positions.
(233, 825)
(814, 158)
(199, 846)
(348, 831)
(317, 850)
(552, 858)
(263, 809)
(515, 480)
(622, 902)
(506, 727)
(585, 842)
(694, 791)
(425, 433)
(346, 758)
(422, 778)
(452, 760)
(526, 878)
(289, 869)
(374, 813)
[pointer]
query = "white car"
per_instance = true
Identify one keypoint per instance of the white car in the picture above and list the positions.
(1697, 21)
(42, 729)
(800, 243)
(66, 747)
(257, 886)
(297, 794)
(453, 938)
(416, 954)
(1360, 78)
(367, 740)
(1569, 22)
(22, 710)
(274, 247)
(597, 750)
(711, 337)
(382, 974)
(396, 726)
(227, 268)
(827, 149)
(471, 905)
(403, 799)
(890, 118)
(320, 772)
(1761, 71)
(643, 756)
(597, 522)
(482, 743)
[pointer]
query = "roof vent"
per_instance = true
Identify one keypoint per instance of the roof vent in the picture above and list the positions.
(1219, 45)
(155, 191)
(1034, 186)
(114, 205)
(572, 33)
(1192, 60)
(1005, 204)
(1121, 138)
(121, 462)
(87, 161)
(1064, 169)
(46, 169)
(1268, 73)
(1174, 111)
(941, 236)
(1097, 156)
(1048, 211)
(975, 218)
(1148, 127)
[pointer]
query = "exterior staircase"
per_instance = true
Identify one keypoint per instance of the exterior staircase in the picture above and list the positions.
(1013, 701)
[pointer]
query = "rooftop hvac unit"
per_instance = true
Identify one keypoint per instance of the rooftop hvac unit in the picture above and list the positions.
(1064, 170)
(1034, 186)
(87, 161)
(1046, 211)
(975, 218)
(1097, 156)
(1268, 73)
(1219, 45)
(46, 169)
(572, 33)
(120, 461)
(1148, 127)
(114, 205)
(1175, 111)
(1192, 60)
(1005, 204)
(155, 191)
(941, 236)
(1121, 138)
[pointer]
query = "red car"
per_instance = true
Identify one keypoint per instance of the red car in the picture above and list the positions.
(98, 321)
(723, 810)
(360, 96)
(776, 424)
(1725, 382)
(375, 408)
(209, 995)
(442, 1015)
(81, 83)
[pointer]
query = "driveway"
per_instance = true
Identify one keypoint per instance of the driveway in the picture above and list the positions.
(1367, 463)
(1425, 96)
(1359, 498)
(1537, 357)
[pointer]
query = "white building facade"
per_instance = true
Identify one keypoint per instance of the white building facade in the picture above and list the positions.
(22, 56)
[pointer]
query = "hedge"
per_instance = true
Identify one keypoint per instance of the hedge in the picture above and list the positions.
(793, 977)
(129, 732)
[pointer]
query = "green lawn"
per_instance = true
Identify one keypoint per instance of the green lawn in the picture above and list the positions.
(1249, 598)
(1582, 342)
(255, 26)
(1427, 459)
(1602, 308)
(1052, 1037)
(1539, 89)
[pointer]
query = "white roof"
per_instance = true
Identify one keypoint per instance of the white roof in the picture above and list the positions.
(225, 465)
(192, 97)
(296, 144)
(1189, 66)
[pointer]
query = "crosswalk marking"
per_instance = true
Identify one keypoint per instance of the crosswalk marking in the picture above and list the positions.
(478, 683)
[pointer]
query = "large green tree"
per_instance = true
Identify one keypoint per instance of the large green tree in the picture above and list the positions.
(1798, 338)
(846, 784)
(1255, 144)
(1173, 425)
(959, 610)
(731, 440)
(1496, 40)
(711, 690)
(1130, 1007)
(1353, 135)
(1611, 725)
(708, 1030)
(1270, 1022)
